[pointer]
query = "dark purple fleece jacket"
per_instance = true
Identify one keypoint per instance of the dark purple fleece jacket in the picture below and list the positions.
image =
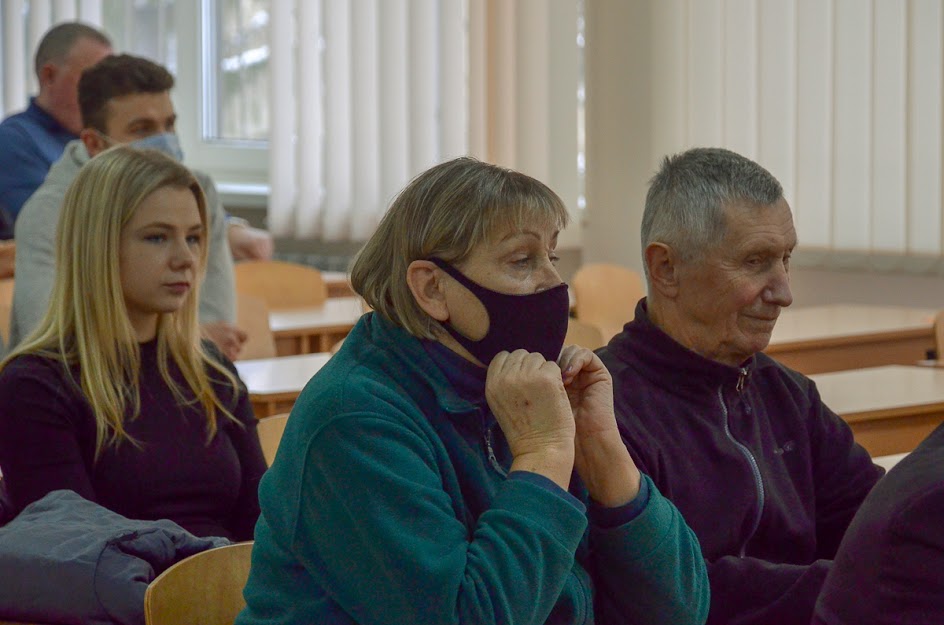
(765, 474)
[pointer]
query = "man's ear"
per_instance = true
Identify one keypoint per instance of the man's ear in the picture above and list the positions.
(47, 74)
(94, 142)
(425, 281)
(663, 265)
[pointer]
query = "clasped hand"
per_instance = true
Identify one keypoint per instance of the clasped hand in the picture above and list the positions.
(559, 416)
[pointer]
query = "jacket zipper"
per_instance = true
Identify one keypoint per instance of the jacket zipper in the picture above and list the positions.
(490, 450)
(755, 469)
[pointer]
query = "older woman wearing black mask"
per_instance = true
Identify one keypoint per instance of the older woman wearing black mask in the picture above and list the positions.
(454, 463)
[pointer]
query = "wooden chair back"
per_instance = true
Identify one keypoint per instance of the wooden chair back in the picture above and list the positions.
(6, 308)
(939, 336)
(606, 296)
(206, 588)
(280, 284)
(7, 258)
(270, 431)
(584, 335)
(252, 316)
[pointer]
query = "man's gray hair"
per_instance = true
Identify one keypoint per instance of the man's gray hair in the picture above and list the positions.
(60, 39)
(685, 205)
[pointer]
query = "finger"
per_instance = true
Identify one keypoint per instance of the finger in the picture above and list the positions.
(566, 356)
(573, 361)
(519, 360)
(496, 368)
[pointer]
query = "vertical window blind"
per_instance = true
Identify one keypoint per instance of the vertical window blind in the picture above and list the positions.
(364, 96)
(24, 24)
(840, 99)
(368, 94)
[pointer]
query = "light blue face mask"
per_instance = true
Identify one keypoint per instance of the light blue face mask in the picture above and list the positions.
(166, 142)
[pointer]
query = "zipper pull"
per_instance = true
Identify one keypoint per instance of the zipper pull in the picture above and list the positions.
(742, 378)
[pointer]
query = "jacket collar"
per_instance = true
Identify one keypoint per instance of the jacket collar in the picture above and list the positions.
(47, 121)
(405, 358)
(667, 363)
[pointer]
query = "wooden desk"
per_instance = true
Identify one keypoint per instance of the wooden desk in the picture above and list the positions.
(310, 330)
(819, 339)
(890, 409)
(338, 283)
(274, 383)
(888, 462)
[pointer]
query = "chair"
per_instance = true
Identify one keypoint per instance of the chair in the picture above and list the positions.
(204, 589)
(270, 431)
(606, 296)
(280, 284)
(7, 258)
(939, 336)
(584, 335)
(252, 315)
(6, 308)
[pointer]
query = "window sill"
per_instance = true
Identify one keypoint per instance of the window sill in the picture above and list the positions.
(237, 195)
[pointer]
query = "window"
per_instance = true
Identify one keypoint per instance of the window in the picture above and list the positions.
(222, 96)
(331, 116)
(236, 67)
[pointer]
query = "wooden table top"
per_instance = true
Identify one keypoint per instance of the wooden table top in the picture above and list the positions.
(282, 375)
(882, 392)
(338, 283)
(337, 314)
(844, 323)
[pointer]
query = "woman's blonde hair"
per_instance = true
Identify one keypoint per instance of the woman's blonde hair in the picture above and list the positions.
(87, 323)
(445, 212)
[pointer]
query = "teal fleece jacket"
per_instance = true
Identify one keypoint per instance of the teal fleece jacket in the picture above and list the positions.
(382, 507)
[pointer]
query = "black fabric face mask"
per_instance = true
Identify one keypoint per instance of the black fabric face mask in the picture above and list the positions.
(536, 322)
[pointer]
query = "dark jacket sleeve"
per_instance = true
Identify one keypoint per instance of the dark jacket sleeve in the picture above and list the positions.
(40, 431)
(843, 473)
(752, 591)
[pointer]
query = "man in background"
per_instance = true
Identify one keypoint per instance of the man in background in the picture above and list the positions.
(123, 100)
(32, 140)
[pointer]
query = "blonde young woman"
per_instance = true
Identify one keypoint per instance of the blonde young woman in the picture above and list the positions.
(454, 462)
(115, 396)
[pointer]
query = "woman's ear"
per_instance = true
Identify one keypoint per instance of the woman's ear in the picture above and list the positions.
(663, 267)
(425, 281)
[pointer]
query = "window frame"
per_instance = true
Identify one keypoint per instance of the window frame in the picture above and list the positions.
(238, 168)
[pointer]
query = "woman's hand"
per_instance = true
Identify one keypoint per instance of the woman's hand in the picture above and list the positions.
(601, 458)
(526, 394)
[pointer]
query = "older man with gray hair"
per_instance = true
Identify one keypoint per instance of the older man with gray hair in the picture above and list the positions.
(766, 475)
(32, 140)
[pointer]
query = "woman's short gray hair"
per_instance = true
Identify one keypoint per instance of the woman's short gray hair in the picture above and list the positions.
(445, 212)
(685, 205)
